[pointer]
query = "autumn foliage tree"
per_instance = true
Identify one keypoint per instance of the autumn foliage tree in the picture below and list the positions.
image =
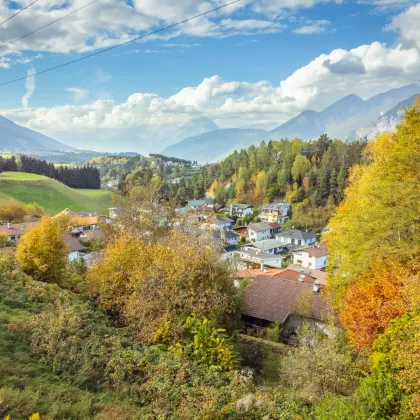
(150, 284)
(376, 297)
(42, 251)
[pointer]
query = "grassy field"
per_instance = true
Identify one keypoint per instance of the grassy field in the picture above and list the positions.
(51, 194)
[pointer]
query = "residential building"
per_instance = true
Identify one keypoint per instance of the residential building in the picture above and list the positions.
(221, 223)
(14, 231)
(221, 208)
(311, 257)
(240, 210)
(295, 237)
(319, 275)
(82, 221)
(259, 231)
(271, 246)
(76, 249)
(229, 237)
(195, 204)
(275, 213)
(263, 259)
(288, 298)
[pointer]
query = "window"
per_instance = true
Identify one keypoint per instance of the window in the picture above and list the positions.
(309, 265)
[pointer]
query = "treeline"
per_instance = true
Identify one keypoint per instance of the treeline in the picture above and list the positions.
(292, 169)
(169, 159)
(80, 177)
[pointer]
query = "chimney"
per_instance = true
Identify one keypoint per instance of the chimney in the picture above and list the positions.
(316, 286)
(301, 278)
(9, 226)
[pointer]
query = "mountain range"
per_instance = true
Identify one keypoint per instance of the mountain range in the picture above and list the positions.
(15, 137)
(200, 139)
(349, 118)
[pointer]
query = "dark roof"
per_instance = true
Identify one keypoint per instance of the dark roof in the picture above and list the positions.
(241, 206)
(297, 234)
(221, 220)
(228, 234)
(73, 243)
(274, 298)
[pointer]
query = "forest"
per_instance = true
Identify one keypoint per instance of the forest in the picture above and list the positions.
(152, 329)
(85, 177)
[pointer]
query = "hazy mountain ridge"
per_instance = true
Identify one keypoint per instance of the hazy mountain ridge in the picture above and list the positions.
(349, 118)
(15, 137)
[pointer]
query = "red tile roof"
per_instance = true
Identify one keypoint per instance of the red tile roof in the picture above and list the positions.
(273, 298)
(17, 228)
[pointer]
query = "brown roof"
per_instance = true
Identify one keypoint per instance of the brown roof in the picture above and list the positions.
(315, 251)
(17, 228)
(73, 243)
(275, 225)
(294, 276)
(317, 274)
(250, 273)
(273, 299)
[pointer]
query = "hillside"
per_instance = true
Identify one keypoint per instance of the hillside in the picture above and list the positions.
(14, 137)
(50, 194)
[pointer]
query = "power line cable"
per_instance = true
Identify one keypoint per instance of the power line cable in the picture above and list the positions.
(119, 45)
(46, 26)
(20, 11)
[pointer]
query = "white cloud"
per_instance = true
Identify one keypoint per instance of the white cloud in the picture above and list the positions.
(407, 24)
(78, 94)
(316, 27)
(30, 87)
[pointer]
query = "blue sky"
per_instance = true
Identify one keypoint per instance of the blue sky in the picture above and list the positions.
(258, 64)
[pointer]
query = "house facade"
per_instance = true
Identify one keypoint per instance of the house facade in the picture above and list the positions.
(240, 210)
(275, 213)
(76, 249)
(295, 237)
(314, 257)
(263, 259)
(259, 231)
(221, 223)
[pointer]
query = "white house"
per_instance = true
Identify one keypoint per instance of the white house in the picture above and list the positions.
(271, 246)
(195, 204)
(221, 223)
(76, 249)
(228, 237)
(296, 237)
(261, 258)
(240, 210)
(314, 257)
(259, 231)
(275, 213)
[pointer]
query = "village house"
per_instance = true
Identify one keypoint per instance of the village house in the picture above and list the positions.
(76, 249)
(289, 298)
(311, 257)
(221, 208)
(275, 213)
(195, 204)
(228, 237)
(81, 222)
(221, 223)
(263, 259)
(240, 210)
(295, 237)
(271, 246)
(14, 231)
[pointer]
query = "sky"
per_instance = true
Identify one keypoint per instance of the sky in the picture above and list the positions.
(256, 63)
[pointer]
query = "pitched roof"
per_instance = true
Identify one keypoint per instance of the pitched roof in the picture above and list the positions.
(16, 228)
(319, 275)
(73, 243)
(241, 206)
(314, 251)
(274, 225)
(260, 255)
(220, 220)
(296, 234)
(266, 244)
(275, 206)
(259, 227)
(273, 298)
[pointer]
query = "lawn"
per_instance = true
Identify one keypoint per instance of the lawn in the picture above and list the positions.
(51, 194)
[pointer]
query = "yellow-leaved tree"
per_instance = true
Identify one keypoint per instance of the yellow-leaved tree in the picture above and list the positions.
(380, 215)
(155, 285)
(42, 251)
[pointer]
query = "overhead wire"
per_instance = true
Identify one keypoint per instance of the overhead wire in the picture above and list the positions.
(20, 11)
(121, 44)
(46, 26)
